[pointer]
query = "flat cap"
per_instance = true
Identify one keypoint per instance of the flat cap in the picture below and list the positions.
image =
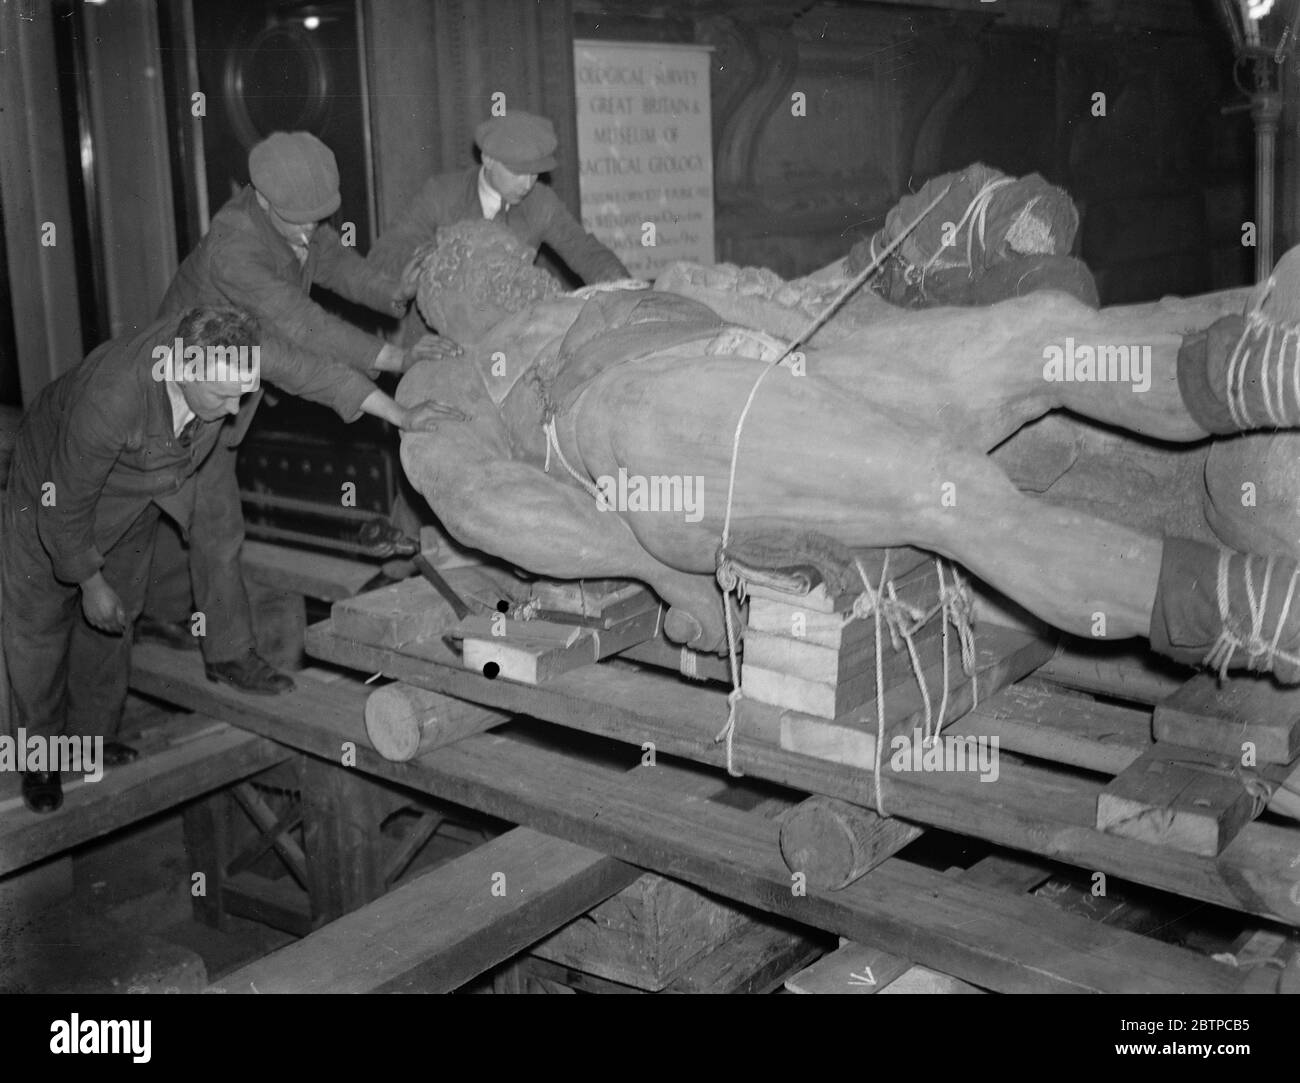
(522, 142)
(297, 174)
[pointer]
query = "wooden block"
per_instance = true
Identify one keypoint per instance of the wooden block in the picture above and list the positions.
(645, 935)
(602, 603)
(800, 657)
(820, 629)
(1187, 799)
(395, 615)
(852, 968)
(403, 722)
(447, 925)
(532, 652)
(834, 843)
(1222, 718)
(1003, 655)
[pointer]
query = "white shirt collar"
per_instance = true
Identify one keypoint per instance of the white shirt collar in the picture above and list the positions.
(489, 198)
(182, 415)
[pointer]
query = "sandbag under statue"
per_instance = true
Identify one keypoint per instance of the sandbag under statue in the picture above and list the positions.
(878, 440)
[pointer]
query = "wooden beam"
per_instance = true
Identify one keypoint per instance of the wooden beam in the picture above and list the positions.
(446, 926)
(203, 755)
(955, 928)
(1037, 809)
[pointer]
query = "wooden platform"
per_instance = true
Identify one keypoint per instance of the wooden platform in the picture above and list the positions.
(1032, 806)
(186, 758)
(966, 930)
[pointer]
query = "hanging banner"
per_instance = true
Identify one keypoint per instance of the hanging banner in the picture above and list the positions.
(645, 151)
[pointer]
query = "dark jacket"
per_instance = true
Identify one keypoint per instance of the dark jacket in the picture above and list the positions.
(102, 436)
(243, 262)
(539, 218)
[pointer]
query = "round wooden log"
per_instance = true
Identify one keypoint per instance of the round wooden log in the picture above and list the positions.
(403, 721)
(833, 843)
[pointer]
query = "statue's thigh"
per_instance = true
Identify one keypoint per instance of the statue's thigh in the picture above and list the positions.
(807, 453)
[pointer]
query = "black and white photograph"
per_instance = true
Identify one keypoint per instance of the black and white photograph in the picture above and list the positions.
(757, 497)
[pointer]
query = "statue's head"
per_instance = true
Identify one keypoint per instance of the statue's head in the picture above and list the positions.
(477, 274)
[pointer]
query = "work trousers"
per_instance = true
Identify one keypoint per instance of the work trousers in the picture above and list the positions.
(206, 577)
(65, 677)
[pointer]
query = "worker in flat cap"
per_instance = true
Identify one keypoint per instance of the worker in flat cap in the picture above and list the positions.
(516, 148)
(104, 454)
(265, 249)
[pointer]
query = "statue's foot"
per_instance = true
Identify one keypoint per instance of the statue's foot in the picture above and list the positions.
(1243, 372)
(1228, 610)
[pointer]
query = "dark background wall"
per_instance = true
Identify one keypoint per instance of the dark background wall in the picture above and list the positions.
(897, 93)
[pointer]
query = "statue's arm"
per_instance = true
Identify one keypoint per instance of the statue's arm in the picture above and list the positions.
(512, 509)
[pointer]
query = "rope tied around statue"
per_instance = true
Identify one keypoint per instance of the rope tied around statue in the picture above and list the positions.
(991, 237)
(882, 603)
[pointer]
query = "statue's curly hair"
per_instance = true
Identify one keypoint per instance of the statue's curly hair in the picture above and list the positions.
(481, 266)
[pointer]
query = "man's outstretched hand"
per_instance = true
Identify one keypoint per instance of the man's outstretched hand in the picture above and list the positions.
(435, 348)
(102, 606)
(426, 416)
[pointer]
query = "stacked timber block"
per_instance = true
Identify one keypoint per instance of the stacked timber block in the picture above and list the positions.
(572, 626)
(809, 671)
(1220, 749)
(807, 653)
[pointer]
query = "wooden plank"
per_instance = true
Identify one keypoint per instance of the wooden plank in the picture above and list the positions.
(1128, 673)
(394, 615)
(446, 926)
(953, 928)
(851, 968)
(1038, 719)
(1037, 809)
(300, 571)
(157, 781)
(858, 968)
(1223, 718)
(834, 696)
(535, 651)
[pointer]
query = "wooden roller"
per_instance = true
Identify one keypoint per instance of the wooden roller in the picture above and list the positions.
(403, 722)
(833, 842)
